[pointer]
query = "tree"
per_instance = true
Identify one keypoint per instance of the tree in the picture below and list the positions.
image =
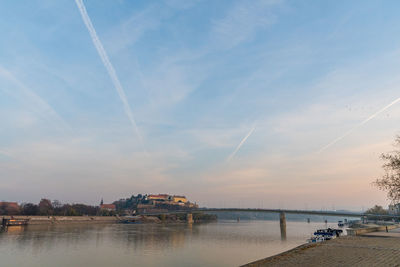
(30, 209)
(3, 209)
(56, 204)
(82, 209)
(390, 181)
(377, 210)
(45, 207)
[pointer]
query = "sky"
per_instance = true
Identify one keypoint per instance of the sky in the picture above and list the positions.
(261, 104)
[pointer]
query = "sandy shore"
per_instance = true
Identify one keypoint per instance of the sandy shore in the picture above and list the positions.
(371, 250)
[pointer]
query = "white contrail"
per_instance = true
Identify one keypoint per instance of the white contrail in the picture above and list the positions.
(360, 124)
(240, 144)
(110, 69)
(25, 93)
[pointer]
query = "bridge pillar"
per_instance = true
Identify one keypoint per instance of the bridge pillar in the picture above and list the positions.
(282, 223)
(189, 218)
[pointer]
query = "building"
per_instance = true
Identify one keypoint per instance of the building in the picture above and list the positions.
(159, 197)
(179, 199)
(9, 208)
(109, 207)
(12, 205)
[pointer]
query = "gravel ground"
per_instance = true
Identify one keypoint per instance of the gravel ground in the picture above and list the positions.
(343, 251)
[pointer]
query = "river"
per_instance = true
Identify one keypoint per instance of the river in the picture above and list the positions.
(222, 243)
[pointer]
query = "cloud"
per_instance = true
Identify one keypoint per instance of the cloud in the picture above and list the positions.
(132, 29)
(244, 20)
(5, 153)
(170, 83)
(41, 168)
(34, 101)
(295, 178)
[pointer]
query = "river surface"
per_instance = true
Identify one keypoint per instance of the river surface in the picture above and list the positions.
(223, 243)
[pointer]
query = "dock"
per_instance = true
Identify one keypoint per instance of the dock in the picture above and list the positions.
(7, 222)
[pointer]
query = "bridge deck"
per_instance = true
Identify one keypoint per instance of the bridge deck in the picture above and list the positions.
(306, 212)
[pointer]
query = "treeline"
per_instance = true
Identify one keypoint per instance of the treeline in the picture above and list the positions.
(53, 208)
(379, 210)
(130, 203)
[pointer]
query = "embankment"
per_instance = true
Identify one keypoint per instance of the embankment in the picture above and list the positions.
(42, 220)
(342, 251)
(364, 230)
(355, 249)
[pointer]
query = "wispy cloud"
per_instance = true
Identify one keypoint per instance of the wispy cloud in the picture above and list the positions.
(359, 125)
(25, 94)
(2, 152)
(240, 144)
(244, 20)
(110, 69)
(132, 29)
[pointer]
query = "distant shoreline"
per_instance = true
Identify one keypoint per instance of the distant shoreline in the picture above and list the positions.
(51, 220)
(42, 220)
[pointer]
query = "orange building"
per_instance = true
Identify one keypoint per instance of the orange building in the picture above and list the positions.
(159, 197)
(108, 207)
(9, 208)
(179, 199)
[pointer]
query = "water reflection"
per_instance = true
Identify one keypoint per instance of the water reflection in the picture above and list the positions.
(223, 243)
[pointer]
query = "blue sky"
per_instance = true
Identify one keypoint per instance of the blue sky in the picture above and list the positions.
(232, 100)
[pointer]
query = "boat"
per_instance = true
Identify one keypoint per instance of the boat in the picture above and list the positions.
(6, 222)
(328, 233)
(324, 234)
(316, 239)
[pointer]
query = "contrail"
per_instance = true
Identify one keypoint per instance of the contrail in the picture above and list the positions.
(110, 69)
(26, 93)
(360, 124)
(240, 144)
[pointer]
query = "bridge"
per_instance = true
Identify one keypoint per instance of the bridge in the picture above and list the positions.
(284, 211)
(281, 212)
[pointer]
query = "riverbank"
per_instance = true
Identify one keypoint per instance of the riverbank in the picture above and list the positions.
(40, 220)
(180, 218)
(365, 250)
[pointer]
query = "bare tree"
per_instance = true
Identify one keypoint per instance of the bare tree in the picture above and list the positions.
(45, 207)
(390, 181)
(377, 210)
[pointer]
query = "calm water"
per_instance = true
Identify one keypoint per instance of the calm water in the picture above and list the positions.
(226, 243)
